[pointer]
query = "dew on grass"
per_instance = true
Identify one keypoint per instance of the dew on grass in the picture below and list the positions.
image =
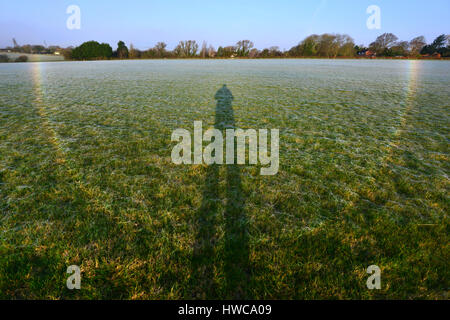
(364, 159)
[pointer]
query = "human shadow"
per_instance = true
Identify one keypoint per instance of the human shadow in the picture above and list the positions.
(205, 261)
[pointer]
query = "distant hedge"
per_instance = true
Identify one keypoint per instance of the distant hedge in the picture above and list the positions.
(92, 50)
(4, 58)
(22, 59)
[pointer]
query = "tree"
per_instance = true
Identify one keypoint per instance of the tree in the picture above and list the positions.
(347, 46)
(383, 42)
(25, 48)
(325, 45)
(400, 48)
(295, 51)
(220, 52)
(67, 53)
(229, 51)
(192, 47)
(92, 50)
(274, 51)
(122, 50)
(187, 48)
(447, 53)
(160, 49)
(440, 45)
(226, 52)
(243, 48)
(204, 51)
(254, 53)
(105, 51)
(180, 50)
(309, 46)
(37, 49)
(440, 42)
(265, 53)
(416, 45)
(150, 54)
(328, 45)
(134, 53)
(299, 50)
(211, 52)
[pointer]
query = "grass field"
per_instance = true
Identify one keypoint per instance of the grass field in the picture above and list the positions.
(86, 179)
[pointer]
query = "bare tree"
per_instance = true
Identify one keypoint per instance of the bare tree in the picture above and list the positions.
(383, 42)
(179, 49)
(204, 51)
(416, 45)
(160, 49)
(274, 51)
(187, 48)
(253, 53)
(134, 53)
(243, 47)
(403, 44)
(211, 52)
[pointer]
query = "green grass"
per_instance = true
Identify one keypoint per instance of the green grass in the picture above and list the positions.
(86, 178)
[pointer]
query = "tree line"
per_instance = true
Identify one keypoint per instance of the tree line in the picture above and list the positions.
(388, 45)
(33, 49)
(323, 46)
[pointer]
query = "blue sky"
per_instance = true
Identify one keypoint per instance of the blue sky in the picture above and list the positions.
(277, 22)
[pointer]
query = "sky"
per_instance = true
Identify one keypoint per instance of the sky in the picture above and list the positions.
(282, 23)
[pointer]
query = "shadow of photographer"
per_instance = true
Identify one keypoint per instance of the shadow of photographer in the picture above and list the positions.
(205, 261)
